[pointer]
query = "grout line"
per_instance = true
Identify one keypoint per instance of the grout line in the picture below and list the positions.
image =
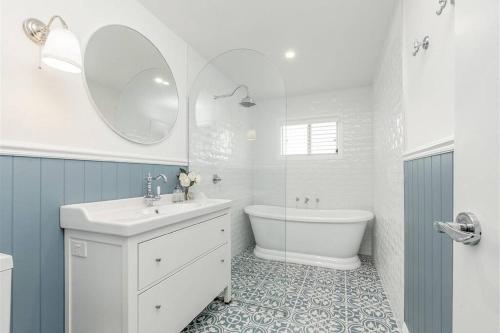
(40, 254)
(12, 207)
(300, 292)
(345, 299)
(85, 182)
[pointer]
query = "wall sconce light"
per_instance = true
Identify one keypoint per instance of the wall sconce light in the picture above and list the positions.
(60, 47)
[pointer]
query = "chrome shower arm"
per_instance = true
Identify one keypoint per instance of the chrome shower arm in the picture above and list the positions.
(234, 92)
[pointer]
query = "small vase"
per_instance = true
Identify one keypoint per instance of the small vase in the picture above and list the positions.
(186, 193)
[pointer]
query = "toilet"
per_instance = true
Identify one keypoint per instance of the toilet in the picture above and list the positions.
(5, 292)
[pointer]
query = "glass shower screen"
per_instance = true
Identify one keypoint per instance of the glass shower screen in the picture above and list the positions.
(237, 107)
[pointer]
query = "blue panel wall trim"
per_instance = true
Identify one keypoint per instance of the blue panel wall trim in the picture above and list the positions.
(428, 255)
(31, 192)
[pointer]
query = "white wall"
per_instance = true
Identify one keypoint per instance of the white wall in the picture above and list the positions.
(388, 198)
(428, 77)
(477, 165)
(51, 108)
(343, 182)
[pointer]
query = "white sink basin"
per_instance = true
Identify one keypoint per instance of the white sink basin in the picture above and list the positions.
(170, 209)
(128, 217)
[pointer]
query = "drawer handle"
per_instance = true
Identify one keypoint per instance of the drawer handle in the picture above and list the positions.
(158, 259)
(222, 230)
(222, 260)
(158, 307)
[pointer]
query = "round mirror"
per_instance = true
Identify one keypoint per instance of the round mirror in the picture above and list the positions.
(131, 84)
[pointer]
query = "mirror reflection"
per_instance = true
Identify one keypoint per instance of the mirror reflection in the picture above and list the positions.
(131, 84)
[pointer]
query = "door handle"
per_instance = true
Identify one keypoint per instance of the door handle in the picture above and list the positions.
(466, 229)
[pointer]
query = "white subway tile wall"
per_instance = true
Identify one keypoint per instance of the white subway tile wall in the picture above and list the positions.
(254, 172)
(218, 144)
(388, 169)
(269, 179)
(343, 181)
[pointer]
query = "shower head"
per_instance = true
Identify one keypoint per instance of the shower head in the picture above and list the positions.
(246, 102)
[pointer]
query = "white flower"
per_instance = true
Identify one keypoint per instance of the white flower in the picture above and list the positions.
(184, 180)
(192, 176)
(197, 179)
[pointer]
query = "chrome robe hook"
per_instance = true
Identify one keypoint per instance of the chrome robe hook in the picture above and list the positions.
(418, 45)
(442, 6)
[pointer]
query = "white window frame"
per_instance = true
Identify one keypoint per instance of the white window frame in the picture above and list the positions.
(313, 120)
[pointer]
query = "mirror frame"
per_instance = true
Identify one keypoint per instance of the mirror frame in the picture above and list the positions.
(94, 104)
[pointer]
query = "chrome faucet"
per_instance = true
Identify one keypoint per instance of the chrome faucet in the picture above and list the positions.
(306, 200)
(151, 197)
(162, 177)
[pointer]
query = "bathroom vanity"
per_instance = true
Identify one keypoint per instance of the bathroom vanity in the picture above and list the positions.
(137, 269)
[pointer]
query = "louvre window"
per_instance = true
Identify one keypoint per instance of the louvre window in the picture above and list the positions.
(319, 138)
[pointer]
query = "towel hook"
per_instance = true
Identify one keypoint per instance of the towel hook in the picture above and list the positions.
(442, 6)
(418, 45)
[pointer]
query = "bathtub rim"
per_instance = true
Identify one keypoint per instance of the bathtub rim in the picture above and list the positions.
(308, 259)
(364, 215)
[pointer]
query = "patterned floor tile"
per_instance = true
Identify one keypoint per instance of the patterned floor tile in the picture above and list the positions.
(275, 297)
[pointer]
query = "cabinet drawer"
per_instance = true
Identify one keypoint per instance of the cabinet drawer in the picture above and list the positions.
(163, 255)
(173, 303)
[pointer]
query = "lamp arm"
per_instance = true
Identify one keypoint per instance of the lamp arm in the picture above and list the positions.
(65, 26)
(37, 31)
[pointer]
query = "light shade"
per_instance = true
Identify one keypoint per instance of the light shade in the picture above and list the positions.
(62, 51)
(252, 135)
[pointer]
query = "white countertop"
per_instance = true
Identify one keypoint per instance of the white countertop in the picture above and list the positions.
(128, 217)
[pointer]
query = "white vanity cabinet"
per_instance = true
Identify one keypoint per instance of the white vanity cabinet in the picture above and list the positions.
(121, 278)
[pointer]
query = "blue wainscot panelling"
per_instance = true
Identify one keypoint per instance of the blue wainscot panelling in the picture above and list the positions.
(428, 254)
(31, 192)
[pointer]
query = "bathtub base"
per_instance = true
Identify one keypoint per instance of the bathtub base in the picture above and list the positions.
(307, 259)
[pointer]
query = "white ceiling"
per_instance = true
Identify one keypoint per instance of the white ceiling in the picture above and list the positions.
(338, 43)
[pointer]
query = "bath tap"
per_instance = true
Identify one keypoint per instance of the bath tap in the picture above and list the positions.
(297, 200)
(306, 200)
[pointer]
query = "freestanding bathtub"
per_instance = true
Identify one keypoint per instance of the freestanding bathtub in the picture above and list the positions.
(326, 238)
